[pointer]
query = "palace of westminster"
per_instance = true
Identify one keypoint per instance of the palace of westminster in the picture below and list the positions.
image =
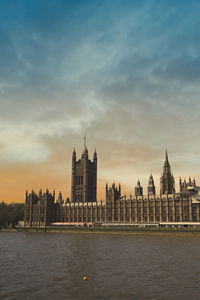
(43, 209)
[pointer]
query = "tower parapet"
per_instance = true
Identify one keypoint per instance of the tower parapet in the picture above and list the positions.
(113, 193)
(187, 186)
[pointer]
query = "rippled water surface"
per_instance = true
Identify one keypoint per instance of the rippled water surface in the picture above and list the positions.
(51, 266)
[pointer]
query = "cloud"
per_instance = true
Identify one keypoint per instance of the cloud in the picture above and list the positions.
(126, 72)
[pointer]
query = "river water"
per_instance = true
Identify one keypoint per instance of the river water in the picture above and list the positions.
(118, 266)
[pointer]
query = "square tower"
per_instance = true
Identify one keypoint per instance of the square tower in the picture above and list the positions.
(84, 178)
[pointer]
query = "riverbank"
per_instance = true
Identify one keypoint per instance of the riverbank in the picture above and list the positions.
(101, 230)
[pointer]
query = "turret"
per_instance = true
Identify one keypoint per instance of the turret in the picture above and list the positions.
(74, 157)
(151, 186)
(138, 189)
(95, 156)
(60, 199)
(180, 184)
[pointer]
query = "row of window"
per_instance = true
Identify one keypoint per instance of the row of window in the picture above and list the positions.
(139, 219)
(79, 180)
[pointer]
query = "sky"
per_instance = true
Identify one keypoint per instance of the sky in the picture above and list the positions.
(126, 72)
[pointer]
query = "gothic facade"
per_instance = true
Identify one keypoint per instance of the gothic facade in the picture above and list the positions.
(167, 183)
(43, 209)
(84, 178)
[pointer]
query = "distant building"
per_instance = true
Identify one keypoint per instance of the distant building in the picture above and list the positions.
(167, 183)
(43, 209)
(84, 178)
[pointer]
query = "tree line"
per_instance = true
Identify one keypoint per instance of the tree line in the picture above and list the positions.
(11, 213)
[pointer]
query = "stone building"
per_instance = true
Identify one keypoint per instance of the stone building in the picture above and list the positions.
(39, 208)
(42, 210)
(84, 177)
(167, 183)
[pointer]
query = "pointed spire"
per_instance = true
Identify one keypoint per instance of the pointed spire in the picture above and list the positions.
(74, 153)
(73, 157)
(151, 181)
(85, 151)
(120, 188)
(166, 155)
(166, 164)
(95, 156)
(167, 184)
(85, 146)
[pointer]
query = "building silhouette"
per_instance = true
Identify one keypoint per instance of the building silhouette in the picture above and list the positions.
(84, 177)
(167, 183)
(43, 209)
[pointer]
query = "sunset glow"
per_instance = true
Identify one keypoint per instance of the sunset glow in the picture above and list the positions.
(125, 72)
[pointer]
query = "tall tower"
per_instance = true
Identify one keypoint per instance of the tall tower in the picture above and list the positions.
(167, 184)
(151, 187)
(84, 177)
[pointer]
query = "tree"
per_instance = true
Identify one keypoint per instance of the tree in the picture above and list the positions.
(10, 214)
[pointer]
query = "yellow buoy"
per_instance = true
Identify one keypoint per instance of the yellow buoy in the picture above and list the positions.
(85, 278)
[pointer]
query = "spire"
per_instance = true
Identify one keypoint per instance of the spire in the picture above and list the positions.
(85, 146)
(167, 184)
(166, 155)
(74, 152)
(120, 189)
(151, 181)
(95, 156)
(166, 164)
(167, 168)
(74, 156)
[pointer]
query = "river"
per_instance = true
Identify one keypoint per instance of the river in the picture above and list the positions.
(118, 266)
